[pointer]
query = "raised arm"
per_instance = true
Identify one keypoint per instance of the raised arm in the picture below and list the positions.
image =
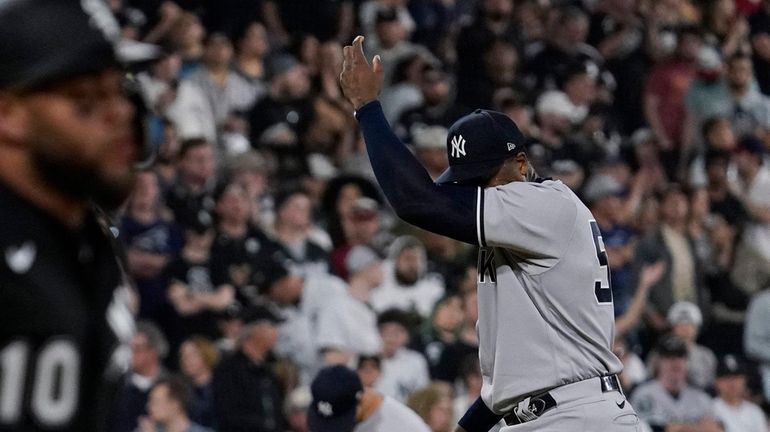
(448, 210)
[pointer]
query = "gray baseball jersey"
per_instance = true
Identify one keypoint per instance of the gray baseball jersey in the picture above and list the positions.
(545, 304)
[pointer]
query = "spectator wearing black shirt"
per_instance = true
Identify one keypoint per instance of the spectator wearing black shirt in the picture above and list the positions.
(294, 230)
(759, 35)
(190, 196)
(280, 120)
(247, 394)
(148, 349)
(547, 62)
(197, 359)
(323, 19)
(241, 253)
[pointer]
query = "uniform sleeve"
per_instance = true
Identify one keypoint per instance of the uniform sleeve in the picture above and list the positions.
(532, 219)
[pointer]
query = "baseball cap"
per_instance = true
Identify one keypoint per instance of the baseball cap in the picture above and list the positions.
(601, 186)
(685, 312)
(730, 365)
(478, 143)
(51, 40)
(336, 391)
(359, 258)
(672, 347)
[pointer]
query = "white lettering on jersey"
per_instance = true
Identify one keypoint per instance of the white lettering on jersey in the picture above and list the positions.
(52, 394)
(21, 258)
(486, 266)
(458, 146)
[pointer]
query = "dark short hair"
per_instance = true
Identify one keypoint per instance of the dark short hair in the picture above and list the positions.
(178, 390)
(710, 124)
(396, 316)
(189, 144)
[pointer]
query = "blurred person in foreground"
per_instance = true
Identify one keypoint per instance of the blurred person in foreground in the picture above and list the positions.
(731, 406)
(342, 404)
(167, 408)
(668, 403)
(69, 144)
(433, 404)
(247, 394)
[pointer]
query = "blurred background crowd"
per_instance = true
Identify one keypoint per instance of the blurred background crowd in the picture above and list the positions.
(262, 249)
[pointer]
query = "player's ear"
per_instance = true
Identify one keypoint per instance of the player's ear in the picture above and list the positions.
(522, 163)
(13, 119)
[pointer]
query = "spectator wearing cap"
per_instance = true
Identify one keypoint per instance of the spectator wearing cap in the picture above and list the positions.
(603, 193)
(295, 232)
(341, 404)
(752, 257)
(280, 120)
(669, 242)
(685, 319)
(361, 225)
(668, 403)
(407, 284)
(197, 359)
(295, 409)
(247, 394)
(189, 198)
(167, 408)
(403, 370)
(148, 348)
(430, 146)
(731, 406)
(664, 97)
(349, 329)
(305, 303)
(152, 240)
(757, 334)
(241, 253)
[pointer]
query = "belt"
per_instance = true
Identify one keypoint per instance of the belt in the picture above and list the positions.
(534, 406)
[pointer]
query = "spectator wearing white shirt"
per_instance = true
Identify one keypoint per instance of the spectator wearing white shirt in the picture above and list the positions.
(349, 329)
(752, 257)
(408, 286)
(403, 370)
(730, 406)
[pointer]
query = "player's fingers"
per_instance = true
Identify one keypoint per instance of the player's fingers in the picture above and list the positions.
(347, 58)
(377, 66)
(358, 51)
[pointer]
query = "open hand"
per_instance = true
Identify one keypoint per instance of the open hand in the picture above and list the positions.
(360, 82)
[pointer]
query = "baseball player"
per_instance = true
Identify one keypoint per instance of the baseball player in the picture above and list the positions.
(69, 146)
(546, 320)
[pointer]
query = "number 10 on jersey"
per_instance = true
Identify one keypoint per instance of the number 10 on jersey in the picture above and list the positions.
(602, 287)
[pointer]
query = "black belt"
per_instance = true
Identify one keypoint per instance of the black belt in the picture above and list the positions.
(533, 407)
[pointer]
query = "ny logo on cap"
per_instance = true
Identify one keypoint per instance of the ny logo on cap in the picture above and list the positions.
(325, 408)
(511, 146)
(458, 146)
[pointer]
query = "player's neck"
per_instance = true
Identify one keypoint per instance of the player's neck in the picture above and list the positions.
(18, 174)
(370, 402)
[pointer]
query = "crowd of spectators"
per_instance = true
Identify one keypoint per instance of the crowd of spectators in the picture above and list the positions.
(262, 250)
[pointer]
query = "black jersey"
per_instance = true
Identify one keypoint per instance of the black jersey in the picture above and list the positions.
(63, 316)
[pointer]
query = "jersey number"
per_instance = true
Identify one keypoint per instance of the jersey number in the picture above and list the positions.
(54, 390)
(602, 287)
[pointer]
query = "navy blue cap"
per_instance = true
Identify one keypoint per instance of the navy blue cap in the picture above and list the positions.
(336, 391)
(478, 144)
(51, 40)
